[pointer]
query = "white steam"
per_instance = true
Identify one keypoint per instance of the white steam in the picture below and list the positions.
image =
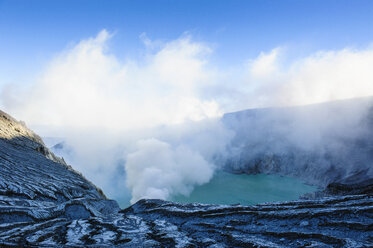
(157, 170)
(107, 106)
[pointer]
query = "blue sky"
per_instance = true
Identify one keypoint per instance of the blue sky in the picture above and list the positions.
(32, 32)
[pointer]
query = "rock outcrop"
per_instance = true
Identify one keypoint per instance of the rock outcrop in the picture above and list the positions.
(45, 203)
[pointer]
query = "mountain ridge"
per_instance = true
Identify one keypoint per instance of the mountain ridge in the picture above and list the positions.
(321, 143)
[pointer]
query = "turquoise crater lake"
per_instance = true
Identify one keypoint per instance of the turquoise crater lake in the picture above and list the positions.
(227, 188)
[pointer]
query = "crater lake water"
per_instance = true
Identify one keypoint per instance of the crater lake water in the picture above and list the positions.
(228, 188)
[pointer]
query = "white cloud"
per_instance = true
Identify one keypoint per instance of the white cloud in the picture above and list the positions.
(265, 65)
(88, 88)
(320, 77)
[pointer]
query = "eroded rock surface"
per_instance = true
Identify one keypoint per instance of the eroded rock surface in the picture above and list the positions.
(330, 222)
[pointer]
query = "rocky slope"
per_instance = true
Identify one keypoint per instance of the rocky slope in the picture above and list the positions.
(45, 203)
(35, 184)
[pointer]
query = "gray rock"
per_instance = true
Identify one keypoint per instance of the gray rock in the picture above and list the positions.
(304, 223)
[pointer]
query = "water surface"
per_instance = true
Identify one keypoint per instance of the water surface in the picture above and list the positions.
(227, 188)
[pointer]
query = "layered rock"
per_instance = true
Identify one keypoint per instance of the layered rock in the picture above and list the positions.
(330, 222)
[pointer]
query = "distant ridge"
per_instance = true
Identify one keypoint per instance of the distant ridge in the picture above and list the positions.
(323, 143)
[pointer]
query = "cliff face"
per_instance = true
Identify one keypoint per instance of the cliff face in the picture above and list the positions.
(35, 184)
(45, 203)
(323, 144)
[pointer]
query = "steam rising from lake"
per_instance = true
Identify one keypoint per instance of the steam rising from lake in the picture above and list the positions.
(152, 124)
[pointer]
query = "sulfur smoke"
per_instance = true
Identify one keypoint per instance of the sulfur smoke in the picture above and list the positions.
(151, 125)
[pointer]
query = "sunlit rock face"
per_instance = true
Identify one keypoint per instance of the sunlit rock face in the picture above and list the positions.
(45, 203)
(321, 144)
